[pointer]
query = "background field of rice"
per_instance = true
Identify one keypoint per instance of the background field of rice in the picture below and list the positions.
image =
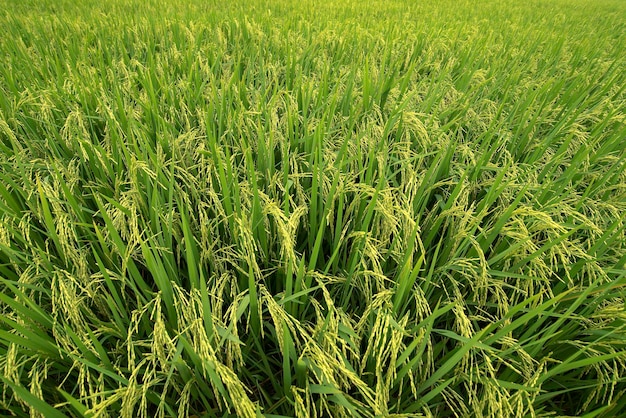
(307, 208)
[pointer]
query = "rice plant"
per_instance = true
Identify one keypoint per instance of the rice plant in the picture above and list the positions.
(305, 209)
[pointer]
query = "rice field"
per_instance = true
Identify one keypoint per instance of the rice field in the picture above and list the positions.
(313, 209)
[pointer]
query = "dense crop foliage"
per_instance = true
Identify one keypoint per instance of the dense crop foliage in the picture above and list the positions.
(307, 208)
